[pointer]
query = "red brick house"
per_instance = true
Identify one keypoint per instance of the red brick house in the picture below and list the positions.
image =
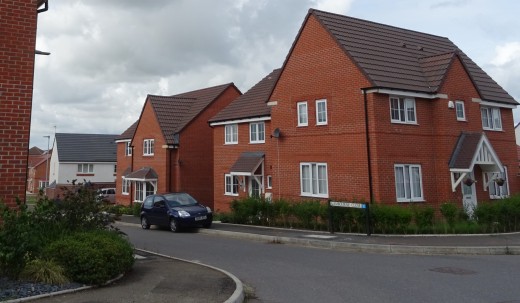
(37, 176)
(172, 145)
(241, 134)
(372, 112)
(124, 164)
(18, 24)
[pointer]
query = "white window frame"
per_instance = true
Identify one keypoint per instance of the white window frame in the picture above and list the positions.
(148, 147)
(303, 113)
(460, 111)
(128, 149)
(499, 192)
(125, 186)
(409, 192)
(269, 182)
(231, 185)
(139, 191)
(256, 132)
(491, 118)
(85, 168)
(321, 115)
(43, 184)
(311, 186)
(401, 113)
(231, 134)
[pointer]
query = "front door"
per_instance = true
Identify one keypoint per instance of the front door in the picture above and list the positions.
(469, 197)
(254, 188)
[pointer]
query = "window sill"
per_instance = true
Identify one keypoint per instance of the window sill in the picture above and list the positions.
(303, 125)
(257, 142)
(85, 175)
(149, 155)
(411, 201)
(493, 130)
(230, 143)
(125, 194)
(314, 196)
(404, 123)
(230, 194)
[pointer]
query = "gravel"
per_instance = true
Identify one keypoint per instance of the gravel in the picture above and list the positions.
(14, 289)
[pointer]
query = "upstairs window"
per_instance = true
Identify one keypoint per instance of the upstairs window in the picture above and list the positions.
(85, 168)
(408, 183)
(402, 110)
(148, 147)
(231, 134)
(257, 132)
(303, 118)
(459, 109)
(128, 149)
(491, 119)
(321, 112)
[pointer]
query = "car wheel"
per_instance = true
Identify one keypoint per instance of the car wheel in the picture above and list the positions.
(207, 224)
(173, 226)
(144, 223)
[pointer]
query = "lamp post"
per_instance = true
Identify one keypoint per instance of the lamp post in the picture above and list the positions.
(47, 164)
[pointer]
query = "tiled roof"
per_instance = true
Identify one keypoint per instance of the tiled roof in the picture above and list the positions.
(465, 149)
(402, 59)
(253, 103)
(129, 132)
(145, 173)
(35, 160)
(247, 163)
(86, 148)
(35, 151)
(175, 112)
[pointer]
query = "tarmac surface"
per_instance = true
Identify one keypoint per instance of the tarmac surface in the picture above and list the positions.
(157, 278)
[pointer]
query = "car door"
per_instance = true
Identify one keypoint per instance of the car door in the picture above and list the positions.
(160, 211)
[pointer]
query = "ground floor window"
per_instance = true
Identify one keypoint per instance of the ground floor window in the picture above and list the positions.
(126, 186)
(231, 185)
(313, 180)
(143, 190)
(43, 184)
(408, 183)
(499, 188)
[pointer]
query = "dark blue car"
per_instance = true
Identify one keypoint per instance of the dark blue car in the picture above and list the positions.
(174, 210)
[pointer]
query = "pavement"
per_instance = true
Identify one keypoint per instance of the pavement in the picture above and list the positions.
(159, 278)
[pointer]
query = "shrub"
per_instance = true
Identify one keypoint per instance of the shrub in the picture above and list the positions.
(423, 217)
(449, 212)
(92, 257)
(390, 218)
(136, 207)
(309, 213)
(45, 271)
(283, 211)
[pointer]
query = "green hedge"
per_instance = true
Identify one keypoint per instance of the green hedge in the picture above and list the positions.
(489, 216)
(92, 257)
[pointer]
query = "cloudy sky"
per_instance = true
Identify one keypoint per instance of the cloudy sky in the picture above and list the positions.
(107, 55)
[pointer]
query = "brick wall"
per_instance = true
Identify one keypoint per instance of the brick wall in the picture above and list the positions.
(227, 154)
(196, 151)
(318, 69)
(123, 163)
(18, 22)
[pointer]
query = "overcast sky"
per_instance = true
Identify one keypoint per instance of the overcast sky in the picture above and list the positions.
(107, 55)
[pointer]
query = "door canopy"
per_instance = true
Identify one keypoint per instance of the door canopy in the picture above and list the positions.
(474, 149)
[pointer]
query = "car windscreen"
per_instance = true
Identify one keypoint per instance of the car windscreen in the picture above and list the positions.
(174, 200)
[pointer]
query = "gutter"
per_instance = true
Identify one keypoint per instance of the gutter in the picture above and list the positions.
(367, 138)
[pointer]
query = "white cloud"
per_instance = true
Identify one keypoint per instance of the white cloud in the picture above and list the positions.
(508, 53)
(333, 6)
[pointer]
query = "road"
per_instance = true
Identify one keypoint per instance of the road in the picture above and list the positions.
(285, 273)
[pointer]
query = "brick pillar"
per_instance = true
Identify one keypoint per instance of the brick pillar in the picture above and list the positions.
(18, 21)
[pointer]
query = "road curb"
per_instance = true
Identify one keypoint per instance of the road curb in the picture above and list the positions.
(373, 248)
(238, 295)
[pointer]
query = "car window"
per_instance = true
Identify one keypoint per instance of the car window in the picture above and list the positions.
(159, 202)
(111, 192)
(148, 202)
(180, 199)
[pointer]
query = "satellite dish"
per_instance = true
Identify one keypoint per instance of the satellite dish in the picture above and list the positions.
(276, 133)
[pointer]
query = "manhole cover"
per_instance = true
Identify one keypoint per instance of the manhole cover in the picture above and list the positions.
(453, 270)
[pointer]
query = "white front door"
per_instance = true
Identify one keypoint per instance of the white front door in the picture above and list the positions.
(469, 197)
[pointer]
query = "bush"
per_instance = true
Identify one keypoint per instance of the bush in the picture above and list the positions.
(391, 219)
(449, 212)
(136, 209)
(92, 257)
(44, 271)
(423, 217)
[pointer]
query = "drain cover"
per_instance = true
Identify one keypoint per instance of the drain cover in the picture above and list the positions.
(453, 270)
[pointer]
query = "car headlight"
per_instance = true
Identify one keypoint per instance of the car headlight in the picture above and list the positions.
(183, 214)
(208, 209)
